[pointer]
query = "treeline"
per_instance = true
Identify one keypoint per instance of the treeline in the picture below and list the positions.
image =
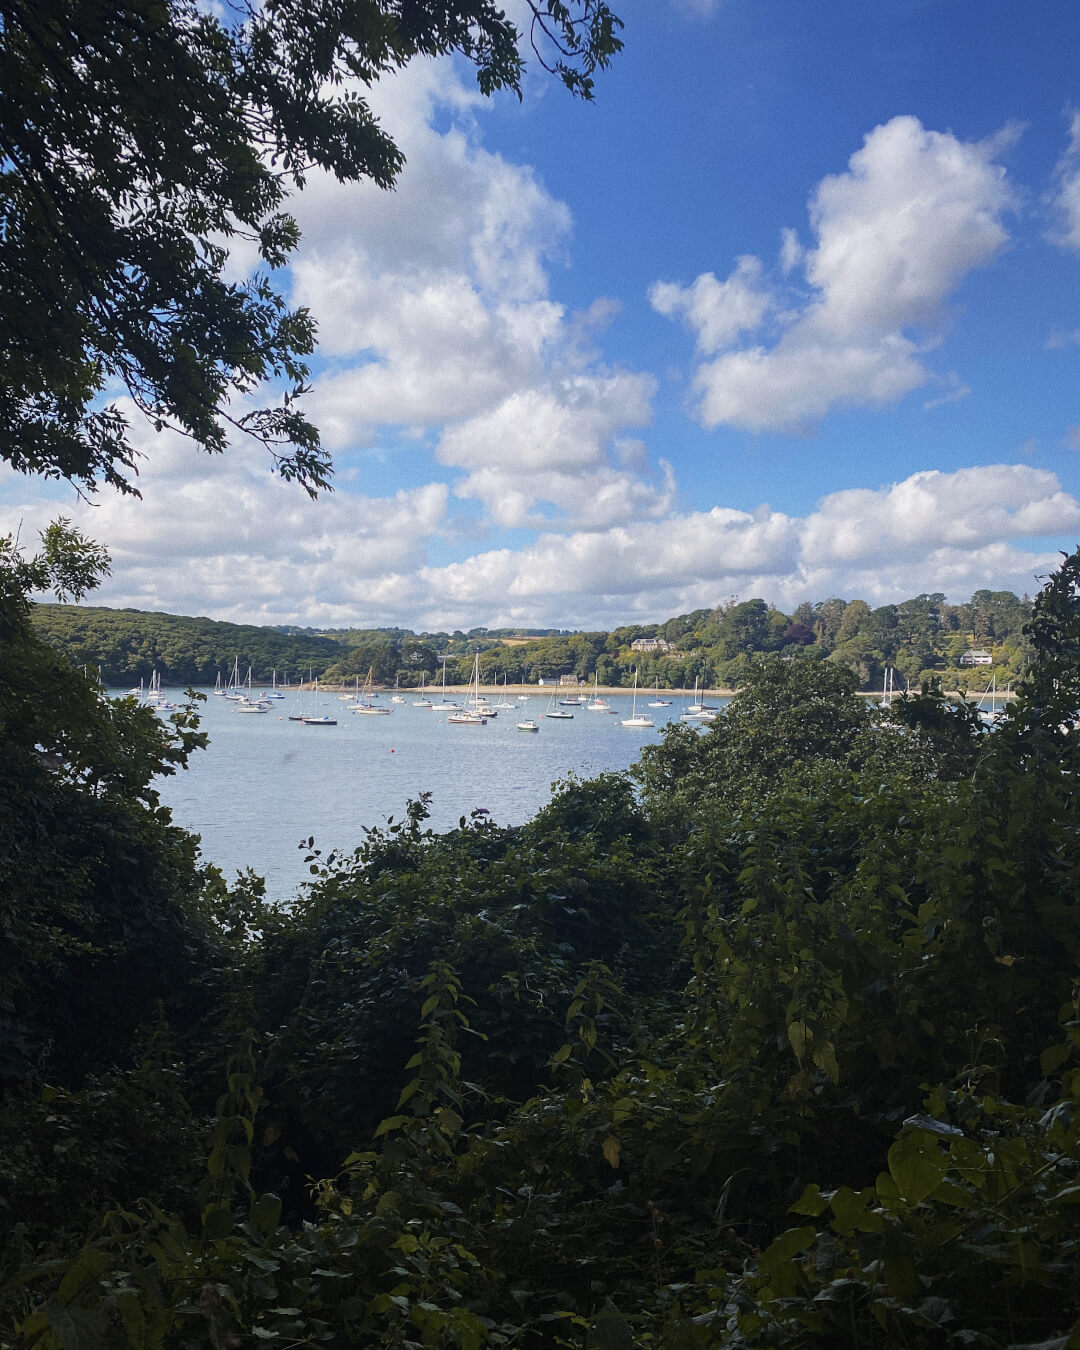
(124, 646)
(770, 1045)
(922, 639)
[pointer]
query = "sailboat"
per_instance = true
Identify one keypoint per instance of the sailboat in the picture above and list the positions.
(596, 703)
(656, 701)
(504, 704)
(298, 714)
(887, 690)
(991, 716)
(698, 712)
(478, 702)
(559, 713)
(315, 720)
(235, 690)
(366, 704)
(446, 704)
(422, 701)
(155, 698)
(397, 696)
(473, 717)
(637, 719)
(246, 704)
(273, 691)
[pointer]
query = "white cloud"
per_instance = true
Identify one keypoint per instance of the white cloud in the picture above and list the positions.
(971, 508)
(559, 445)
(951, 532)
(224, 536)
(564, 425)
(433, 306)
(718, 311)
(234, 543)
(796, 383)
(597, 500)
(895, 234)
(1065, 198)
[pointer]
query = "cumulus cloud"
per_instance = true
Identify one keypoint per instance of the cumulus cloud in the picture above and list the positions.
(971, 508)
(561, 447)
(431, 300)
(434, 312)
(895, 234)
(955, 532)
(226, 537)
(237, 544)
(719, 312)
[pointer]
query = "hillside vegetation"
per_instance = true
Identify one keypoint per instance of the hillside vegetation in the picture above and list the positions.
(923, 638)
(772, 1043)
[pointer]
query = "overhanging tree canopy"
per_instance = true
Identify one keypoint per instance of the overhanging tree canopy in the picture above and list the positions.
(137, 139)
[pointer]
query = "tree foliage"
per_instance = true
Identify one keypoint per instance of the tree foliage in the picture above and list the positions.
(138, 142)
(788, 1067)
(921, 639)
(99, 893)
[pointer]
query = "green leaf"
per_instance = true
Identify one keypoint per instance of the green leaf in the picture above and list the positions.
(266, 1213)
(825, 1059)
(131, 1313)
(408, 1092)
(776, 1263)
(916, 1165)
(853, 1211)
(1054, 1056)
(611, 1149)
(811, 1202)
(86, 1268)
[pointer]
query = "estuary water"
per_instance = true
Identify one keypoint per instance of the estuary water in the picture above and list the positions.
(266, 783)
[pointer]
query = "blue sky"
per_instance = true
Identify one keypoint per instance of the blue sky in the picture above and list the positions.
(792, 310)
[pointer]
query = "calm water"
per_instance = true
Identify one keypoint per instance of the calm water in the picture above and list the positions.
(265, 783)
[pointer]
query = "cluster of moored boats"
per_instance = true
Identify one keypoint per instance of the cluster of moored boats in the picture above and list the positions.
(475, 708)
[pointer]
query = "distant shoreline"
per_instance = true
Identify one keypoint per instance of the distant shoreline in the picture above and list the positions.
(569, 690)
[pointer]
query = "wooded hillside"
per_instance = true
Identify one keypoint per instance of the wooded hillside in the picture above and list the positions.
(923, 638)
